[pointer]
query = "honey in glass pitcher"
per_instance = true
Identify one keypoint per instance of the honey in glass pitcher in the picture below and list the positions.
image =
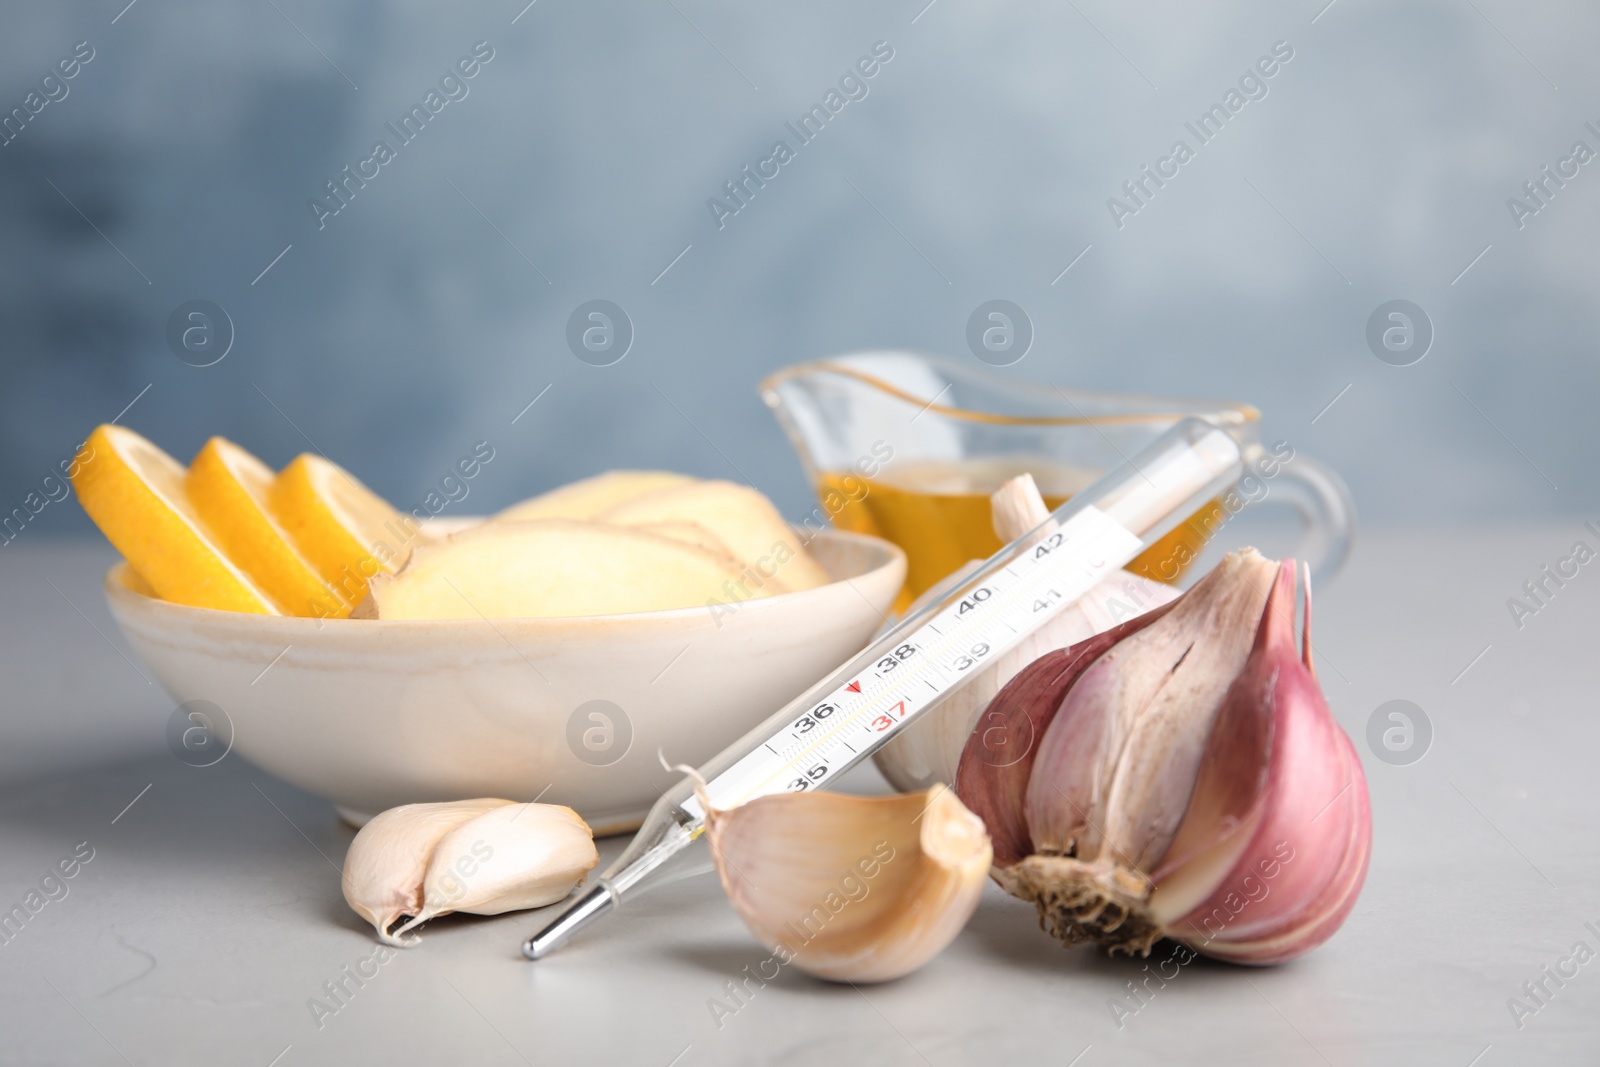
(908, 447)
(938, 512)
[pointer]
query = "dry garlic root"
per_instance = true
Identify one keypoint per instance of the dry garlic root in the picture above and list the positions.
(852, 889)
(483, 856)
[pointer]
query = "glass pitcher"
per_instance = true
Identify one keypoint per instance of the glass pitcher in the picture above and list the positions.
(908, 447)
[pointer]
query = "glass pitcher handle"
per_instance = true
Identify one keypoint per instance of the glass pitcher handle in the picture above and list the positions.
(1324, 503)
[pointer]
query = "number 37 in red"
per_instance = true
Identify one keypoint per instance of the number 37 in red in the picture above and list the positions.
(883, 722)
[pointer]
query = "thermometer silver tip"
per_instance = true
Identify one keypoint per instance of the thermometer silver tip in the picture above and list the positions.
(589, 907)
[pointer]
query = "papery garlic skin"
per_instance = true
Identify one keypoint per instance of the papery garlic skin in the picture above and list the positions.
(386, 863)
(512, 858)
(927, 751)
(1191, 784)
(852, 889)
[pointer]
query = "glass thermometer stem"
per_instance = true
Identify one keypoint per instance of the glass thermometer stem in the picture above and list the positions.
(851, 713)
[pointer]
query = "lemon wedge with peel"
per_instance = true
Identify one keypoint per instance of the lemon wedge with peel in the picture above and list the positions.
(229, 488)
(347, 532)
(135, 493)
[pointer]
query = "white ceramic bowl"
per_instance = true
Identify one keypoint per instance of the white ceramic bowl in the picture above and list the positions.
(374, 713)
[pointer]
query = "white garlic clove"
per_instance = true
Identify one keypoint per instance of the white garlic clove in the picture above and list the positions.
(515, 857)
(1017, 507)
(852, 889)
(928, 750)
(385, 865)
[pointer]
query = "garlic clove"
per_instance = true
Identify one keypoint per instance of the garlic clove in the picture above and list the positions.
(1270, 848)
(928, 750)
(508, 859)
(385, 865)
(1303, 848)
(1228, 797)
(1292, 930)
(996, 763)
(852, 889)
(1117, 765)
(1017, 507)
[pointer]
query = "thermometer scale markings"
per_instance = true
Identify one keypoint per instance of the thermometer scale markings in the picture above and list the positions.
(883, 710)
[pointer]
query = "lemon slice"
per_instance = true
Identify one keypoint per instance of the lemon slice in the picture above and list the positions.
(135, 493)
(229, 489)
(348, 532)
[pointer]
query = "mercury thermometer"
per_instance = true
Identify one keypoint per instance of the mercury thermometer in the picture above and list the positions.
(851, 713)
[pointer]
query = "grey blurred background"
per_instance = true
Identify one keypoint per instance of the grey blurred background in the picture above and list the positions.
(429, 312)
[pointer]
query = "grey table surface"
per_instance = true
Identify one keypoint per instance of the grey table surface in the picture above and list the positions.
(210, 914)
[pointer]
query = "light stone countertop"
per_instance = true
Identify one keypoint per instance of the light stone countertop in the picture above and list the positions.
(210, 915)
